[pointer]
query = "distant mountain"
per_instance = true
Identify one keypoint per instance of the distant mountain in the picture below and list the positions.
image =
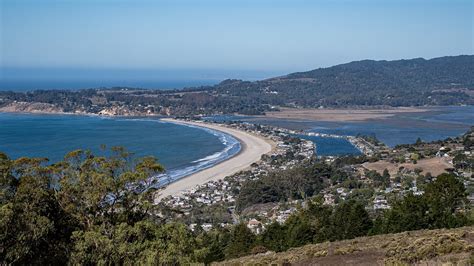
(439, 81)
(442, 70)
(415, 82)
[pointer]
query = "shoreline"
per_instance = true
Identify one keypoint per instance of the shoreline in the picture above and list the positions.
(344, 114)
(174, 177)
(252, 148)
(195, 169)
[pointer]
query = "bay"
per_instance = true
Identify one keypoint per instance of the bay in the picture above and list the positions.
(181, 149)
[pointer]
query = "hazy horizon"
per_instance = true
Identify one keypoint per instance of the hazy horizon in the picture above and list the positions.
(130, 42)
(25, 79)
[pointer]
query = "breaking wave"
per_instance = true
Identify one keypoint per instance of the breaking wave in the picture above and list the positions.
(232, 147)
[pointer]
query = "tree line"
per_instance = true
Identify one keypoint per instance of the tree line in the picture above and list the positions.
(91, 209)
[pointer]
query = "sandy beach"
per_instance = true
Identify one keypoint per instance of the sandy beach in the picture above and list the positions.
(252, 148)
(341, 115)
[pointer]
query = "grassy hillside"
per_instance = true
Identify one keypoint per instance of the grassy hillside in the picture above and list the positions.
(417, 247)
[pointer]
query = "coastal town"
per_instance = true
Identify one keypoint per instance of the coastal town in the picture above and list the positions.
(236, 133)
(380, 175)
(287, 152)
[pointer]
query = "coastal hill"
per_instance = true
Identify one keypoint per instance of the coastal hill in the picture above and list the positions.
(424, 247)
(444, 80)
(415, 82)
(360, 84)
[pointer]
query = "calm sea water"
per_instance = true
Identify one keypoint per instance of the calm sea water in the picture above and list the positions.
(184, 150)
(30, 85)
(181, 149)
(438, 123)
(332, 146)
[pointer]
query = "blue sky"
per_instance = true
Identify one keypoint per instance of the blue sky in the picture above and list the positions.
(225, 36)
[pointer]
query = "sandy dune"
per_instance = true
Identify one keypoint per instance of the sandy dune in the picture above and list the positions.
(253, 147)
(340, 115)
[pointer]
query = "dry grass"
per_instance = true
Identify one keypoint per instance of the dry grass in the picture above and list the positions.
(435, 166)
(411, 250)
(426, 247)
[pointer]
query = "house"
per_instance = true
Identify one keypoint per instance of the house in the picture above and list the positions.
(380, 203)
(255, 226)
(441, 152)
(206, 227)
(329, 199)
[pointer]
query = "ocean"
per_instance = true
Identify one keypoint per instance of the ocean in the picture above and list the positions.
(183, 150)
(31, 85)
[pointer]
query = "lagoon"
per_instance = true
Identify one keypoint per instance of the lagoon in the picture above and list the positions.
(435, 124)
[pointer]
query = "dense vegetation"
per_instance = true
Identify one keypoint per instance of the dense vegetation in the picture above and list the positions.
(415, 82)
(423, 247)
(90, 209)
(297, 183)
(442, 206)
(396, 83)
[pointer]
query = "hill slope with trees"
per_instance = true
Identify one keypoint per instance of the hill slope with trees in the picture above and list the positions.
(424, 247)
(367, 83)
(439, 81)
(91, 209)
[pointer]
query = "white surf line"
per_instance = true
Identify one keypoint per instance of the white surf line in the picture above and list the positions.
(252, 149)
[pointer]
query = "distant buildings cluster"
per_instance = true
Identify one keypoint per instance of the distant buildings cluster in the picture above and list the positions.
(291, 151)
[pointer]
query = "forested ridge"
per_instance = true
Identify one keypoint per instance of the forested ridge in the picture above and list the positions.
(415, 82)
